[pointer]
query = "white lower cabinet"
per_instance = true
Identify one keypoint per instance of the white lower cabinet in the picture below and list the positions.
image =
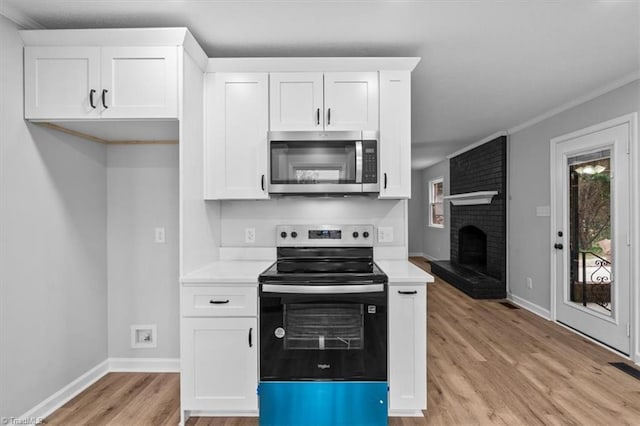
(219, 351)
(407, 349)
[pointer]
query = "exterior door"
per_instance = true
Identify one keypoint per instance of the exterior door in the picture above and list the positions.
(592, 225)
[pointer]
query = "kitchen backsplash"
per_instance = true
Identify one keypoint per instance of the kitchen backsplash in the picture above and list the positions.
(263, 216)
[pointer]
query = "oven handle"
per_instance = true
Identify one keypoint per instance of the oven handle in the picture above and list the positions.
(322, 289)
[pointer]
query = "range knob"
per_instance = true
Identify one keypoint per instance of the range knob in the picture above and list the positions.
(283, 234)
(294, 234)
(365, 234)
(355, 234)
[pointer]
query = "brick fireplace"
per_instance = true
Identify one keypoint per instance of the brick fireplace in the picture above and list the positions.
(477, 262)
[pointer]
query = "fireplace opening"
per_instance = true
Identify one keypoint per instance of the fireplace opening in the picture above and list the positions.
(472, 250)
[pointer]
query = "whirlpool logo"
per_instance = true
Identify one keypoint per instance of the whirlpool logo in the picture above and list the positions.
(324, 366)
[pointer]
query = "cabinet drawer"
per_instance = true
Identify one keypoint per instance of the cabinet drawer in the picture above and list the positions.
(221, 301)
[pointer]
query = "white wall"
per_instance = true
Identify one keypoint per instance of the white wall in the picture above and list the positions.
(53, 313)
(265, 215)
(142, 275)
(529, 245)
(436, 243)
(416, 214)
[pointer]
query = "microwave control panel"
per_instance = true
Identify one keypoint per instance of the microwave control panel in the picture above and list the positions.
(369, 162)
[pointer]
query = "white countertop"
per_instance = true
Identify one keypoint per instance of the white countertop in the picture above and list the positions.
(247, 271)
(228, 271)
(403, 271)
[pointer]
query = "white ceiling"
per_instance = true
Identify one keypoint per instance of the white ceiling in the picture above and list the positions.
(487, 65)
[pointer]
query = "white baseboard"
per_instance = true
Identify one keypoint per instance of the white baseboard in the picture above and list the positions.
(532, 307)
(416, 254)
(430, 258)
(67, 393)
(144, 365)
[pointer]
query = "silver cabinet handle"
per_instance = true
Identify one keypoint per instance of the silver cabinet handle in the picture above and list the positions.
(218, 302)
(408, 292)
(328, 116)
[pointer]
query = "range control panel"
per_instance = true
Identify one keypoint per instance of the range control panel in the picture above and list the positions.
(324, 235)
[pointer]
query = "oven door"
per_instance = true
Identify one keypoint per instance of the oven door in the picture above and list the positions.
(323, 332)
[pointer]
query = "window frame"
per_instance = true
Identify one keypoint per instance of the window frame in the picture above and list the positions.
(432, 202)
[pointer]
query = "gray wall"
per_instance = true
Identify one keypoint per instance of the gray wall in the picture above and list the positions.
(436, 245)
(53, 290)
(416, 214)
(529, 182)
(142, 274)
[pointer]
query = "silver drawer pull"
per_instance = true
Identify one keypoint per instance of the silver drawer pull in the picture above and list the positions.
(218, 302)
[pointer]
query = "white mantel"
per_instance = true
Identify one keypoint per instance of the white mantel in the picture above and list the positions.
(471, 198)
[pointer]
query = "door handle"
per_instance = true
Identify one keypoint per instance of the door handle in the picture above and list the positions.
(104, 102)
(318, 117)
(250, 339)
(329, 117)
(262, 183)
(558, 246)
(385, 181)
(91, 98)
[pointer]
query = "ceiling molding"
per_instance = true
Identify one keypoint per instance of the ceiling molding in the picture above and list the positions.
(477, 144)
(578, 101)
(312, 64)
(22, 20)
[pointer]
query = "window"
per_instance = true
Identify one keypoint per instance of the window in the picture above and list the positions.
(436, 203)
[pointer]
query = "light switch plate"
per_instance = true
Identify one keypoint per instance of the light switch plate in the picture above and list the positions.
(160, 236)
(385, 234)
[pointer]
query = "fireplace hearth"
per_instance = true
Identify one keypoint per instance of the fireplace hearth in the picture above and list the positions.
(477, 262)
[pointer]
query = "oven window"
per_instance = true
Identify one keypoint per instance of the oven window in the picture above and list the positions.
(323, 326)
(313, 162)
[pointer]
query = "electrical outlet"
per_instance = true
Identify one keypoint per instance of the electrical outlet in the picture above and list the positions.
(250, 235)
(385, 234)
(529, 282)
(159, 236)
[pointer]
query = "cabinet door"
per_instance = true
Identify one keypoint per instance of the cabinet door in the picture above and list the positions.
(351, 100)
(296, 101)
(237, 111)
(407, 348)
(219, 368)
(58, 82)
(395, 134)
(141, 82)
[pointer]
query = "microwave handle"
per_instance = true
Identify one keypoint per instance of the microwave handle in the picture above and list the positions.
(358, 161)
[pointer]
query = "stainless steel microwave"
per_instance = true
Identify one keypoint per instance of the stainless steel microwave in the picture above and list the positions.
(323, 162)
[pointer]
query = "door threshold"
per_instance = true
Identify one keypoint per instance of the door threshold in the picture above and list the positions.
(596, 341)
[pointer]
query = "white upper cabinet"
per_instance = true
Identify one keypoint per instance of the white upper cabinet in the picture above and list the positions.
(76, 83)
(296, 101)
(324, 101)
(237, 122)
(61, 82)
(395, 134)
(139, 82)
(351, 100)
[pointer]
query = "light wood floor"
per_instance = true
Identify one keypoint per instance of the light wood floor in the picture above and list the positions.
(487, 364)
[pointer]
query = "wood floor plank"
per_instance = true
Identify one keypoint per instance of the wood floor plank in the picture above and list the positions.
(487, 365)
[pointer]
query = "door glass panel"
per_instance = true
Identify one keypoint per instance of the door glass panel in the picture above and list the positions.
(313, 162)
(323, 326)
(590, 237)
